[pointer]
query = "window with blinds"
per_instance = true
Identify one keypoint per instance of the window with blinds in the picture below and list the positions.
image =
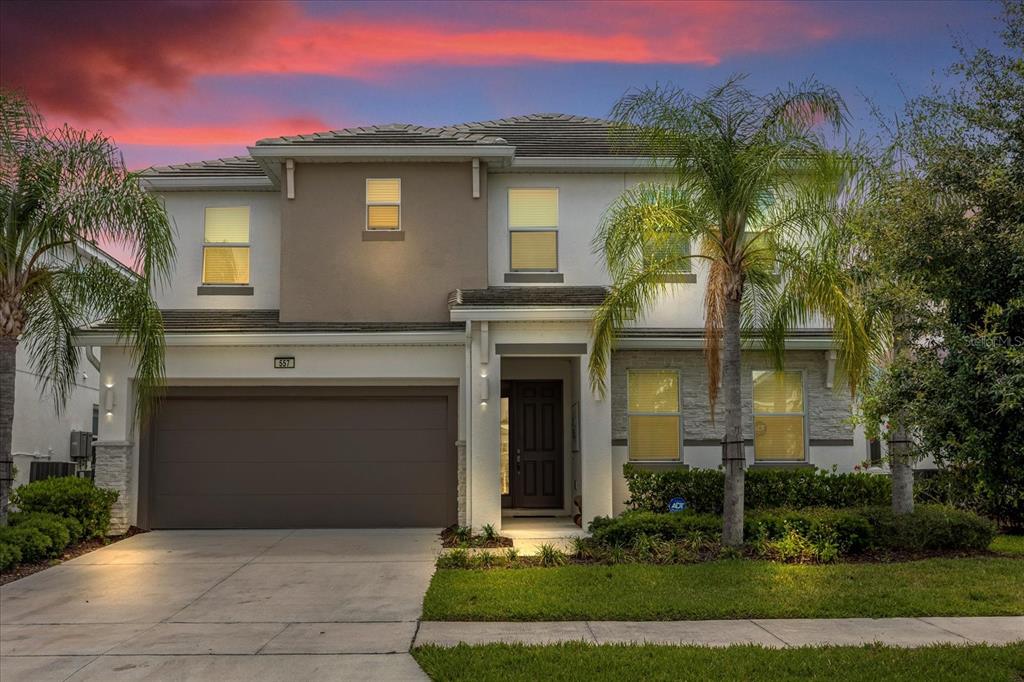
(655, 422)
(383, 204)
(779, 417)
(533, 229)
(226, 245)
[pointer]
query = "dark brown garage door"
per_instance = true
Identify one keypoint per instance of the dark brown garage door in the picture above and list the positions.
(300, 458)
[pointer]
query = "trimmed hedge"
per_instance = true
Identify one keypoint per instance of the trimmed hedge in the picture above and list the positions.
(851, 531)
(32, 543)
(69, 496)
(764, 489)
(10, 555)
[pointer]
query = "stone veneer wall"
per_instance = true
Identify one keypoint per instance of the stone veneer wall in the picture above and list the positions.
(828, 409)
(461, 489)
(113, 471)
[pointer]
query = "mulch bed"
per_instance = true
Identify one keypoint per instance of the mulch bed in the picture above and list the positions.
(450, 540)
(70, 552)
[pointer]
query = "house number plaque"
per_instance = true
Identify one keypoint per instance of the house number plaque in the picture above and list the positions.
(284, 363)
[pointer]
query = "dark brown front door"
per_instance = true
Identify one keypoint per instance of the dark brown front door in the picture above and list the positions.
(536, 444)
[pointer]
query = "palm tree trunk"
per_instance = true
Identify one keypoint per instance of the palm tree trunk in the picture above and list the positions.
(733, 456)
(8, 355)
(902, 473)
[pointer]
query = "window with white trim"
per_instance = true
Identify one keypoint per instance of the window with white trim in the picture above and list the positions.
(780, 416)
(383, 204)
(669, 246)
(533, 229)
(655, 420)
(226, 245)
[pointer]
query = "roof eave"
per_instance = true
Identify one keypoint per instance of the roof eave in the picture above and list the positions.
(179, 184)
(594, 164)
(513, 313)
(284, 338)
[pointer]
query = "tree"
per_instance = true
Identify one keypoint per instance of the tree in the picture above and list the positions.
(62, 190)
(754, 186)
(942, 241)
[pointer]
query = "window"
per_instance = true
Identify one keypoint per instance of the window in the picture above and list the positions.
(226, 246)
(503, 445)
(533, 229)
(779, 417)
(663, 247)
(654, 418)
(383, 204)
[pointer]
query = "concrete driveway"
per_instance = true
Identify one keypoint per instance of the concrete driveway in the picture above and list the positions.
(226, 605)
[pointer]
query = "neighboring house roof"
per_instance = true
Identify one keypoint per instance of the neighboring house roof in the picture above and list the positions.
(527, 297)
(263, 321)
(540, 136)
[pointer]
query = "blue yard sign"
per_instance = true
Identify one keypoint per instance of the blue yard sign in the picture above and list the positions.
(677, 504)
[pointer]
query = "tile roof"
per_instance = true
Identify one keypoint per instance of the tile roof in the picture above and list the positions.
(263, 321)
(393, 134)
(551, 135)
(517, 297)
(231, 167)
(533, 135)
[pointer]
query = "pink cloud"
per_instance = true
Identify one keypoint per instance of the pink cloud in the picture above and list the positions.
(83, 59)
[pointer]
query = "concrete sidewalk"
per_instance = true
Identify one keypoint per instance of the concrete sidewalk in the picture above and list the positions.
(904, 632)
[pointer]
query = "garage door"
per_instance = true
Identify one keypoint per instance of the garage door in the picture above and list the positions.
(300, 458)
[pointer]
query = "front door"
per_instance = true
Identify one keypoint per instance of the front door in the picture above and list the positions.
(536, 444)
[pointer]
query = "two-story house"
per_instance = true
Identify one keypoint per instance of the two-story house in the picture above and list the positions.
(390, 326)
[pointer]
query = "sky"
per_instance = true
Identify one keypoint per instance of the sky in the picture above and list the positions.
(190, 80)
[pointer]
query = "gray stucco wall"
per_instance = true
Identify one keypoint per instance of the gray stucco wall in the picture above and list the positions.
(329, 273)
(828, 409)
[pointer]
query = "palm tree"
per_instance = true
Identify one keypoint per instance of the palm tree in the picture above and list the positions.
(61, 190)
(756, 189)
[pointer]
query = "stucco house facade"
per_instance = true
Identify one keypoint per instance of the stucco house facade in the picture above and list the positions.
(390, 326)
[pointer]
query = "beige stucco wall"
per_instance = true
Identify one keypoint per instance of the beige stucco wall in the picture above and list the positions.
(328, 273)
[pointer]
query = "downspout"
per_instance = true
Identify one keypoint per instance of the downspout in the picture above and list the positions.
(469, 422)
(91, 357)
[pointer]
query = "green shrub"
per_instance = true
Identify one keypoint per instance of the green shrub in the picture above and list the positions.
(10, 555)
(963, 487)
(847, 529)
(454, 558)
(33, 544)
(623, 530)
(550, 555)
(764, 489)
(69, 496)
(796, 546)
(930, 527)
(48, 524)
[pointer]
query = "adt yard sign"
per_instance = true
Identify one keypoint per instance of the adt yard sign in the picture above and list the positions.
(677, 504)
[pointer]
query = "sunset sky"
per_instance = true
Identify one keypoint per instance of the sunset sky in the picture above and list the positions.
(182, 81)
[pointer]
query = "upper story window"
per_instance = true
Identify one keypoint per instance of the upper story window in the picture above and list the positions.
(533, 229)
(670, 247)
(226, 245)
(780, 413)
(655, 421)
(383, 204)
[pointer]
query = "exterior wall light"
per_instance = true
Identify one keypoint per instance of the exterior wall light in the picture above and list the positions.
(108, 399)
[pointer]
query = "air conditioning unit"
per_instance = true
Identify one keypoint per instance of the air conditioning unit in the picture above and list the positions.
(81, 445)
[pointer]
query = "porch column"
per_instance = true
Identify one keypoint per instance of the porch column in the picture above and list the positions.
(595, 446)
(484, 384)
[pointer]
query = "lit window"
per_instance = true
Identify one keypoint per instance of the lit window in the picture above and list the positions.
(779, 417)
(654, 415)
(226, 246)
(503, 436)
(533, 229)
(383, 204)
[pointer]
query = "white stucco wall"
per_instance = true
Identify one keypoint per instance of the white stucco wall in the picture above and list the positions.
(187, 211)
(40, 431)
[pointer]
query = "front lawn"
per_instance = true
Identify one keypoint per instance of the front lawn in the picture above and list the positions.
(735, 588)
(618, 662)
(1010, 545)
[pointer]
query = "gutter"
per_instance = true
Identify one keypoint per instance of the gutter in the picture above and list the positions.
(541, 313)
(438, 338)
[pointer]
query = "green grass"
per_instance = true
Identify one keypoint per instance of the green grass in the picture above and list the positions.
(730, 589)
(587, 662)
(1010, 545)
